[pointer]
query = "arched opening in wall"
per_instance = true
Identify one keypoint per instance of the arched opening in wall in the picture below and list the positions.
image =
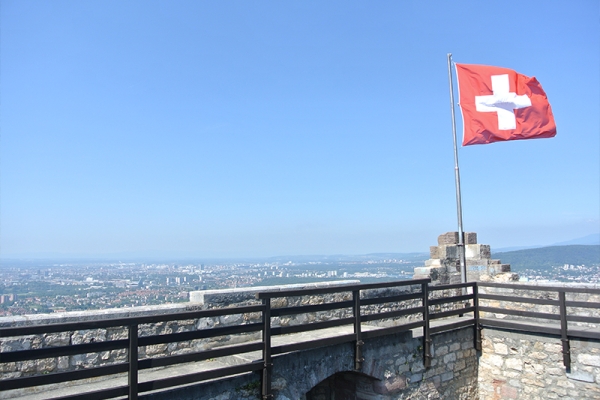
(344, 386)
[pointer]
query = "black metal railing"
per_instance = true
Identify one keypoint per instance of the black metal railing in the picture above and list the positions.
(409, 305)
(131, 344)
(356, 316)
(550, 323)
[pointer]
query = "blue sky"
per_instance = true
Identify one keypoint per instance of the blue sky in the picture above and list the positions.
(267, 128)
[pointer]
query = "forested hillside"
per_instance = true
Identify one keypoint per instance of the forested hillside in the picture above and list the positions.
(545, 257)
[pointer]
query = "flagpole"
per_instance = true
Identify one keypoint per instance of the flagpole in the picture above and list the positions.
(461, 244)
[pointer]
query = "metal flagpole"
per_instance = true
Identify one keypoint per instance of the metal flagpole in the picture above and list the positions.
(461, 241)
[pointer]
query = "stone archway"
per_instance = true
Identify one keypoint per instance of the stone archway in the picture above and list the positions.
(345, 385)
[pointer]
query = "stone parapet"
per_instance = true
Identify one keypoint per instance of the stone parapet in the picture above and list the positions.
(527, 366)
(92, 315)
(444, 265)
(238, 296)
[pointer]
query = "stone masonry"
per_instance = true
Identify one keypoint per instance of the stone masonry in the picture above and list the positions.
(393, 370)
(443, 267)
(526, 366)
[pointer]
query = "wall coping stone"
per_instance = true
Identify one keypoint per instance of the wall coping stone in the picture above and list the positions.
(91, 315)
(235, 295)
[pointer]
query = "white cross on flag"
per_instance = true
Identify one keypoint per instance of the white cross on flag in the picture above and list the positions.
(499, 104)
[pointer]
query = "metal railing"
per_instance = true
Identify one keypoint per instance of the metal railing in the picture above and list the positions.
(409, 305)
(518, 319)
(416, 315)
(134, 365)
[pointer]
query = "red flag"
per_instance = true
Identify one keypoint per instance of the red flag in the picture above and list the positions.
(499, 104)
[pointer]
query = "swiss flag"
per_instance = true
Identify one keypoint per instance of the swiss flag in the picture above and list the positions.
(500, 104)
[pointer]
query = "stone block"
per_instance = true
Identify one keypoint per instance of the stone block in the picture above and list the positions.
(447, 376)
(390, 385)
(452, 238)
(470, 237)
(441, 351)
(508, 392)
(448, 251)
(581, 376)
(496, 269)
(433, 252)
(433, 263)
(478, 251)
(514, 363)
(448, 238)
(500, 348)
(450, 357)
(588, 359)
(493, 359)
(429, 272)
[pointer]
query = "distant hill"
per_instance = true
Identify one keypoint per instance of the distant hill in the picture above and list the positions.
(589, 239)
(545, 257)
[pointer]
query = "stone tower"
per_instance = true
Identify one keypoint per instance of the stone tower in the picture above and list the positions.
(444, 265)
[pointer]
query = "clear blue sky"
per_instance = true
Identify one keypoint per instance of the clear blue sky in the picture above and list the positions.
(238, 128)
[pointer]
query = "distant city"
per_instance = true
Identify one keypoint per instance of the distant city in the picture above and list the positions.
(34, 287)
(562, 273)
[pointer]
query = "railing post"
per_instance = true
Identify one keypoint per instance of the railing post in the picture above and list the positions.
(358, 358)
(477, 327)
(426, 336)
(566, 350)
(133, 362)
(267, 359)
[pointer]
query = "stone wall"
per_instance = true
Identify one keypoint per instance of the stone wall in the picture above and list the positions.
(443, 266)
(530, 366)
(526, 366)
(393, 370)
(219, 298)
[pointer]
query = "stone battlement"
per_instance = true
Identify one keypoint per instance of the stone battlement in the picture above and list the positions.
(443, 266)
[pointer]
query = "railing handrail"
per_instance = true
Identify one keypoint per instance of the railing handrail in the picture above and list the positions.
(557, 288)
(266, 327)
(563, 317)
(339, 289)
(125, 321)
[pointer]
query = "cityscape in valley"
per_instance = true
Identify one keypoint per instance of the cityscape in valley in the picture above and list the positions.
(44, 287)
(34, 287)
